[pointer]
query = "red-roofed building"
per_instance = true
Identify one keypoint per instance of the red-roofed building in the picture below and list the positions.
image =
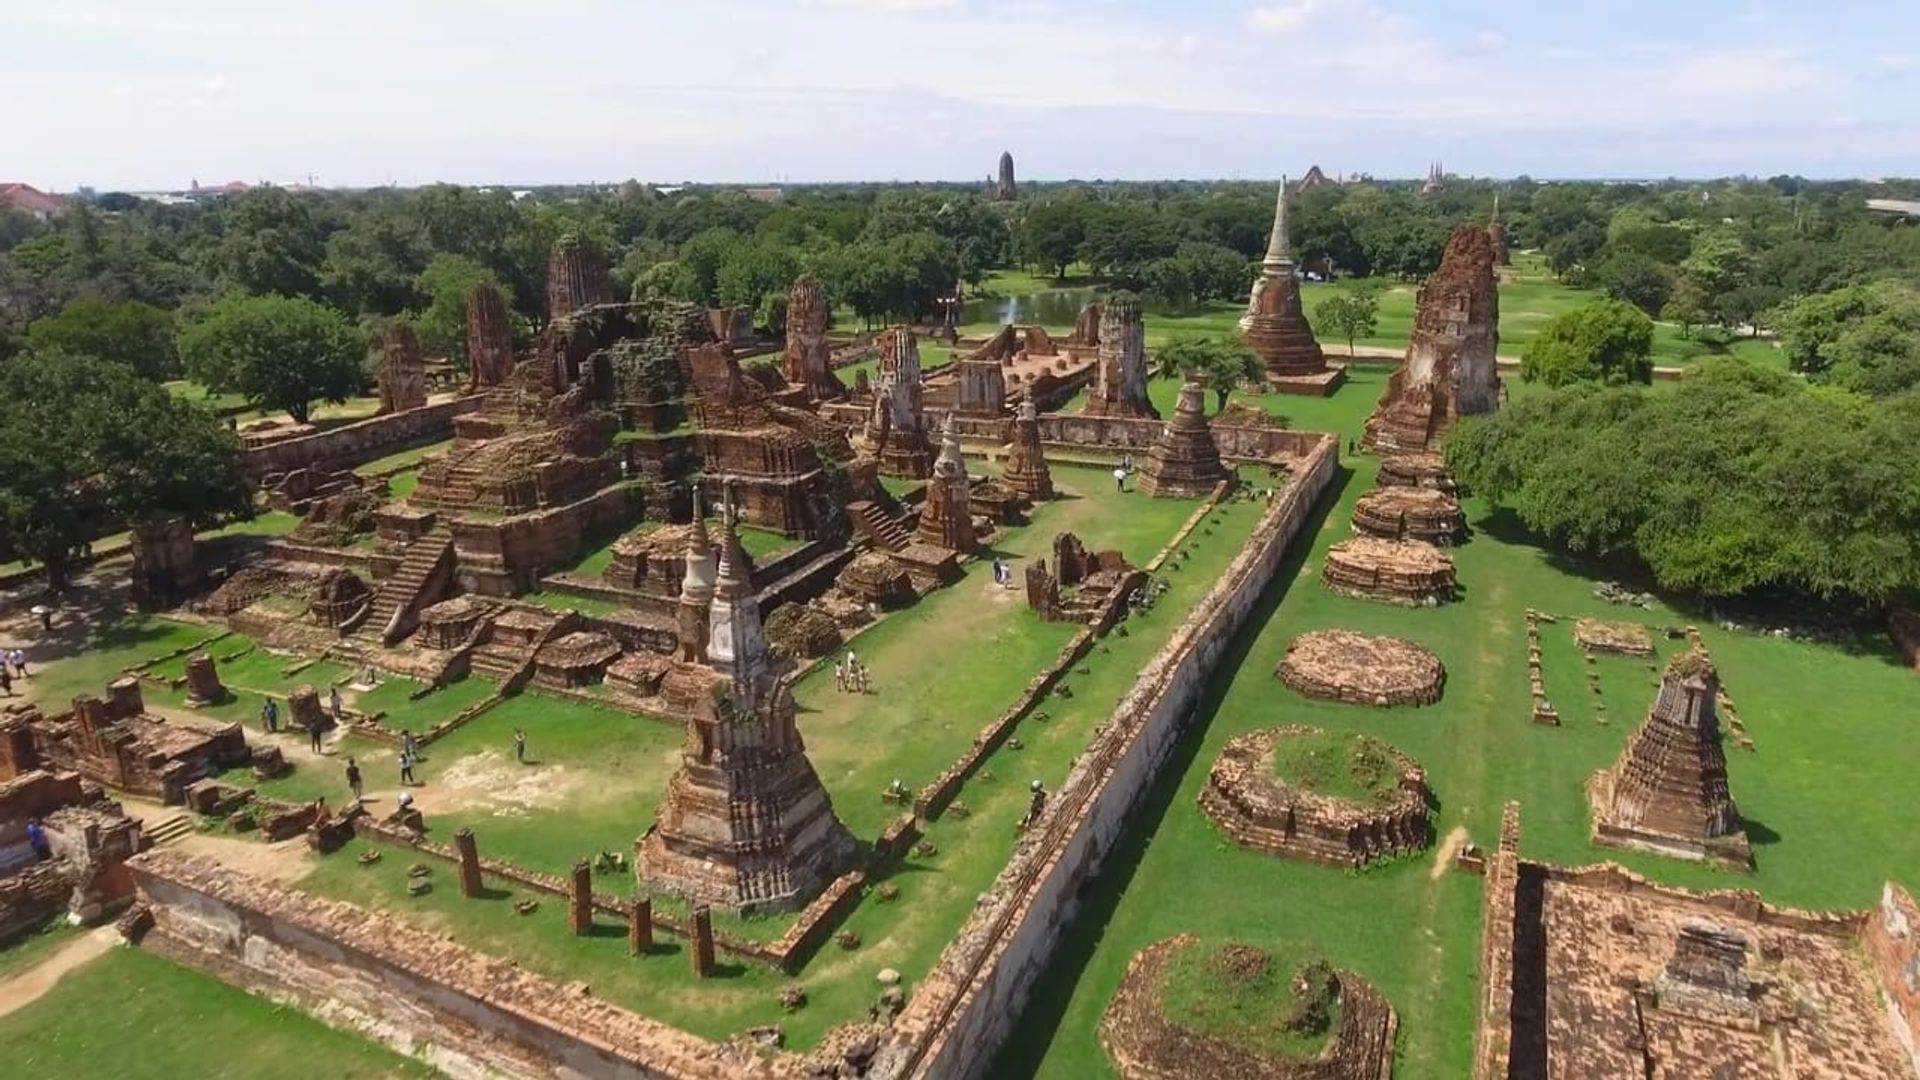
(217, 191)
(31, 201)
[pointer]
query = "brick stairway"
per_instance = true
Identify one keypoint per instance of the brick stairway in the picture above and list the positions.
(870, 520)
(402, 591)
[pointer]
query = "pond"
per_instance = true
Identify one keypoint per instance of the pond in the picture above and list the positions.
(1048, 307)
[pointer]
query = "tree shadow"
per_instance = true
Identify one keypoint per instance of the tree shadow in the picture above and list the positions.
(1758, 833)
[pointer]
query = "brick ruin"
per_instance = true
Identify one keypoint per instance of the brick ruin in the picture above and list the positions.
(946, 519)
(1120, 374)
(1362, 669)
(489, 338)
(808, 360)
(773, 457)
(166, 565)
(90, 837)
(1417, 468)
(1613, 637)
(1595, 971)
(1026, 473)
(1184, 462)
(1258, 808)
(116, 743)
(746, 824)
(1086, 326)
(1668, 792)
(576, 277)
(980, 377)
(1396, 571)
(1144, 1042)
(1093, 578)
(1398, 512)
(402, 373)
(1004, 189)
(896, 431)
(1449, 371)
(1893, 950)
(1275, 329)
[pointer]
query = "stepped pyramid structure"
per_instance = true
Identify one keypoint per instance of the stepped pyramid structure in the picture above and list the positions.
(1668, 792)
(1450, 368)
(1184, 463)
(746, 824)
(1027, 474)
(945, 520)
(1274, 328)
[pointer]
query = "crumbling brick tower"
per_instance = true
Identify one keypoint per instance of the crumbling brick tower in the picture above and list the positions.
(1497, 236)
(1027, 474)
(402, 374)
(808, 361)
(897, 428)
(945, 520)
(1449, 371)
(489, 338)
(1273, 327)
(576, 277)
(1004, 189)
(1184, 462)
(1668, 792)
(1120, 374)
(746, 824)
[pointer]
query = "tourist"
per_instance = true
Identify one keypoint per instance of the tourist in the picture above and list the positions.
(334, 704)
(46, 616)
(840, 676)
(270, 716)
(18, 658)
(404, 802)
(6, 680)
(37, 840)
(353, 778)
(864, 675)
(321, 815)
(409, 745)
(313, 734)
(519, 746)
(1120, 478)
(406, 768)
(853, 662)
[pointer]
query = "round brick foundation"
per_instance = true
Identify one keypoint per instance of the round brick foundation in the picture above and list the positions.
(1362, 669)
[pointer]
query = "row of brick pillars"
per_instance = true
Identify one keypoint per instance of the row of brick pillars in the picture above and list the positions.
(580, 907)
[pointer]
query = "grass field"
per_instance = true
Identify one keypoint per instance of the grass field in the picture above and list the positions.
(1832, 740)
(134, 1015)
(235, 406)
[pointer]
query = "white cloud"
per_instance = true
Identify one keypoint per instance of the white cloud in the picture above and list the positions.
(1491, 39)
(1285, 16)
(890, 7)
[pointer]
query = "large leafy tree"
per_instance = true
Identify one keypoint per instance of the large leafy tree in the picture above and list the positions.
(272, 244)
(447, 283)
(1603, 341)
(1051, 233)
(125, 451)
(1221, 361)
(127, 332)
(280, 353)
(1351, 313)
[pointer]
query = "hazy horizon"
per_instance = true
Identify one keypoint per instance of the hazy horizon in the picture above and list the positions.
(119, 95)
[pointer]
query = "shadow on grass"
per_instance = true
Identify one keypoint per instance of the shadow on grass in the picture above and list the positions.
(1047, 1003)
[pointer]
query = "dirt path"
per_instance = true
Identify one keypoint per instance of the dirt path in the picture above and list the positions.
(30, 985)
(1443, 856)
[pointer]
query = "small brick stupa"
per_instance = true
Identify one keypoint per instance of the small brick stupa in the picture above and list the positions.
(489, 338)
(746, 824)
(945, 520)
(896, 431)
(1275, 329)
(1449, 371)
(808, 362)
(1668, 792)
(576, 277)
(1026, 474)
(1120, 373)
(402, 374)
(1184, 463)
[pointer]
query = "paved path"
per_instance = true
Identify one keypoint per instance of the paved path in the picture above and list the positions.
(32, 984)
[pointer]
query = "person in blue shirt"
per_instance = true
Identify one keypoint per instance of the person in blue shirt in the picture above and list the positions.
(37, 839)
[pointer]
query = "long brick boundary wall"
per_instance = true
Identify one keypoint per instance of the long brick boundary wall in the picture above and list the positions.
(357, 443)
(964, 1010)
(423, 994)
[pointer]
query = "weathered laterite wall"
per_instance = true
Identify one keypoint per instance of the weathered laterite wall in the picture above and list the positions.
(963, 1011)
(349, 445)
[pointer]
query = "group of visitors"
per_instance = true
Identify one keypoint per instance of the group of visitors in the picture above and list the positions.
(851, 676)
(13, 665)
(1002, 573)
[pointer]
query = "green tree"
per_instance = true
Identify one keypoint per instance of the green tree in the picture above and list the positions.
(272, 244)
(1223, 362)
(281, 353)
(1603, 341)
(126, 451)
(1051, 233)
(1686, 305)
(446, 283)
(1349, 314)
(126, 332)
(1636, 279)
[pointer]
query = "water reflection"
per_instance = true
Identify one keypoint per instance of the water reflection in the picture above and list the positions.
(1048, 307)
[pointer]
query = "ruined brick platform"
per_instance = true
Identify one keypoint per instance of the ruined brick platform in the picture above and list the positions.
(1398, 512)
(1317, 384)
(1417, 468)
(1362, 669)
(1257, 808)
(1396, 571)
(1144, 1044)
(1184, 462)
(1607, 636)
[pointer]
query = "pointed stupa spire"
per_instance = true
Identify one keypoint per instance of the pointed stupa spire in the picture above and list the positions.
(698, 582)
(733, 578)
(1495, 219)
(1279, 250)
(736, 641)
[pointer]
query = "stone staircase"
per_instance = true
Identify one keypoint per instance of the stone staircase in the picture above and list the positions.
(495, 663)
(869, 520)
(169, 830)
(396, 606)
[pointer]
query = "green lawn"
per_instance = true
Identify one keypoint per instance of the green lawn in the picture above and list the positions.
(402, 459)
(1831, 726)
(135, 1015)
(29, 949)
(236, 406)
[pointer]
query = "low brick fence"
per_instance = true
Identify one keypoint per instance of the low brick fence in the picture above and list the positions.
(354, 444)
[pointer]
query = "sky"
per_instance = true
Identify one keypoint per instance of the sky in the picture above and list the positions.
(143, 95)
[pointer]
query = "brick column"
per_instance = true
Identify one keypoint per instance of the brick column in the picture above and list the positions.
(640, 926)
(702, 941)
(580, 899)
(469, 863)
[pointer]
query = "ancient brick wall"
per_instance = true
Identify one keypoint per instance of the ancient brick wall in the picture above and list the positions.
(1490, 1049)
(32, 896)
(356, 444)
(505, 557)
(465, 1012)
(963, 1011)
(1893, 951)
(33, 794)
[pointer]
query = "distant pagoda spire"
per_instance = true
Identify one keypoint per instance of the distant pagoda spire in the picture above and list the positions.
(1279, 258)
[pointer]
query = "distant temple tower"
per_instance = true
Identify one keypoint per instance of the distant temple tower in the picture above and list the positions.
(1668, 792)
(1275, 329)
(576, 277)
(1497, 236)
(808, 362)
(946, 519)
(1003, 186)
(1450, 370)
(1436, 179)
